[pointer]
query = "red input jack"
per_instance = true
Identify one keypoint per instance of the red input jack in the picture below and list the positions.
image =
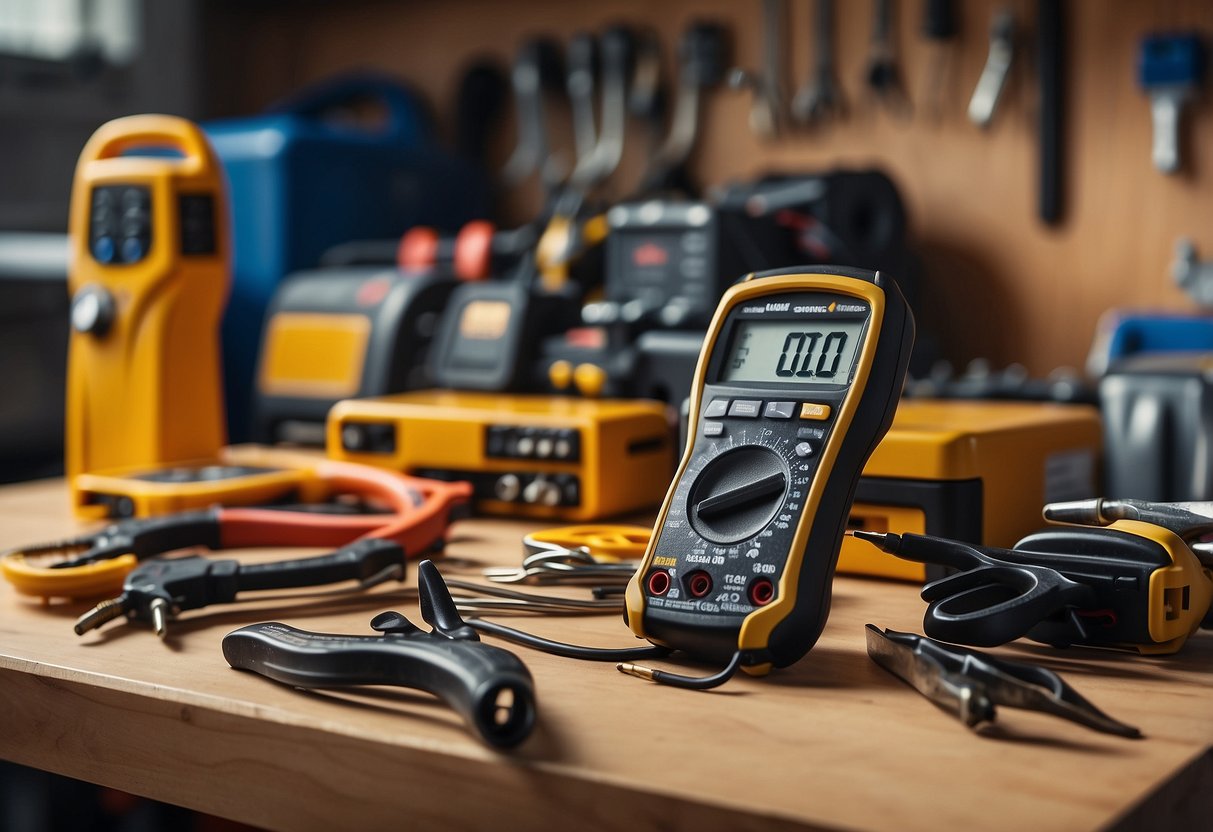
(762, 592)
(699, 583)
(659, 582)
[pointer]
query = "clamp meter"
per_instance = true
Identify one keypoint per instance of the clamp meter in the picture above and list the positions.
(148, 281)
(798, 380)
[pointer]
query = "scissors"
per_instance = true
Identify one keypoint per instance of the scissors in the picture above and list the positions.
(993, 599)
(1131, 585)
(418, 512)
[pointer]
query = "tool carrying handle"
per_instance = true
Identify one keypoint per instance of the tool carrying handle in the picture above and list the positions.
(993, 605)
(405, 119)
(357, 562)
(489, 687)
(122, 135)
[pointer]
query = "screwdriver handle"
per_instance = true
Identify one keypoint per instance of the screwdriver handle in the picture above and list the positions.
(489, 687)
(358, 561)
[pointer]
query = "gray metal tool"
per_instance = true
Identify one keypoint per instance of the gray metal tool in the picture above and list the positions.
(536, 71)
(821, 97)
(970, 685)
(882, 75)
(998, 67)
(766, 87)
(702, 57)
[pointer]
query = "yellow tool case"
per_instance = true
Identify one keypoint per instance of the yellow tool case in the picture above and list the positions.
(978, 471)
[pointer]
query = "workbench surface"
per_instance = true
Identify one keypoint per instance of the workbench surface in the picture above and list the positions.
(832, 742)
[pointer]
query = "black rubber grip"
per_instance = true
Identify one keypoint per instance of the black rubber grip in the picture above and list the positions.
(355, 562)
(489, 687)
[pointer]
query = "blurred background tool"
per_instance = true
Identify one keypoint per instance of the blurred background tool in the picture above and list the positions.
(1170, 68)
(882, 77)
(767, 87)
(821, 98)
(998, 67)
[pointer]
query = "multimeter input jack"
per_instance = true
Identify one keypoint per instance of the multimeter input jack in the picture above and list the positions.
(699, 583)
(761, 592)
(659, 582)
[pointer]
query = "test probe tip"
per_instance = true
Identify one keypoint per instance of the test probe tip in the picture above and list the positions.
(640, 671)
(882, 540)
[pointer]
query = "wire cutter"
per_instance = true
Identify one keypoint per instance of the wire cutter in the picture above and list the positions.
(163, 588)
(969, 684)
(1131, 585)
(418, 514)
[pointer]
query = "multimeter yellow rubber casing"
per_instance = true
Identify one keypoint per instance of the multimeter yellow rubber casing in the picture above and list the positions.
(798, 380)
(148, 281)
(549, 457)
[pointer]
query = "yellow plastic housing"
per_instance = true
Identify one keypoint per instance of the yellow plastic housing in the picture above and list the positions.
(626, 449)
(1024, 454)
(147, 392)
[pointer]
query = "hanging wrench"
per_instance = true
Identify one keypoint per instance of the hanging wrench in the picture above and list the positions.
(536, 70)
(821, 97)
(766, 109)
(883, 78)
(702, 56)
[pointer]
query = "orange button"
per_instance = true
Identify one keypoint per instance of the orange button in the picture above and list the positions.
(817, 412)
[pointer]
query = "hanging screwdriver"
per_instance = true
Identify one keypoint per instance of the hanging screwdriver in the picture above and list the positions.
(1169, 69)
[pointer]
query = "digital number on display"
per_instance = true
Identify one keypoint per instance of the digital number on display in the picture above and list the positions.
(790, 351)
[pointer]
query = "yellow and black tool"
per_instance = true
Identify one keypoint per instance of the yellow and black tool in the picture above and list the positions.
(148, 281)
(1132, 585)
(798, 380)
(528, 456)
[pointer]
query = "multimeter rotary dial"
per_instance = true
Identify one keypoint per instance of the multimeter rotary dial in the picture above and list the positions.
(737, 494)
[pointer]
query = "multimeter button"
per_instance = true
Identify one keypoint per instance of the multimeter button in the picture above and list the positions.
(803, 449)
(92, 310)
(745, 408)
(544, 446)
(713, 428)
(525, 446)
(104, 250)
(134, 198)
(815, 411)
(811, 433)
(133, 250)
(716, 408)
(779, 410)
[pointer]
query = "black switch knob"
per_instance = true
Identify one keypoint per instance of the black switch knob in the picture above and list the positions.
(737, 494)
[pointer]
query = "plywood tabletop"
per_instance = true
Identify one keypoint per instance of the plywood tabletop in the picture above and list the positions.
(832, 742)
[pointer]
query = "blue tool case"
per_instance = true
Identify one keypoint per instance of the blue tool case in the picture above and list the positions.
(301, 181)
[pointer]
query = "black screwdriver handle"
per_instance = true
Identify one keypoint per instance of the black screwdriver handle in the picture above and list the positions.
(356, 562)
(489, 687)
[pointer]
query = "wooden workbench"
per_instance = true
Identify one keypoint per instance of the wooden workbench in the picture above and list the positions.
(833, 742)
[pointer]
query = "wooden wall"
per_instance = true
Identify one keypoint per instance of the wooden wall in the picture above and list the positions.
(999, 284)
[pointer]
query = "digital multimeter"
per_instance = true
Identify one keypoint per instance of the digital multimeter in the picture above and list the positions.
(798, 380)
(149, 279)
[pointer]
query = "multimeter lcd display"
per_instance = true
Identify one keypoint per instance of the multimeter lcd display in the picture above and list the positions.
(804, 352)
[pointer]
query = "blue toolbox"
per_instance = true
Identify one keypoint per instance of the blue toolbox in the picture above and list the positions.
(301, 181)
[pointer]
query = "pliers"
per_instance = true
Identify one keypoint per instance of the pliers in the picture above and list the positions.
(969, 684)
(418, 512)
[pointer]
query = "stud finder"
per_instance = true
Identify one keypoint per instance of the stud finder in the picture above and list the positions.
(798, 380)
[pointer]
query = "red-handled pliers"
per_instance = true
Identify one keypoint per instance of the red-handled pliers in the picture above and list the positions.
(416, 515)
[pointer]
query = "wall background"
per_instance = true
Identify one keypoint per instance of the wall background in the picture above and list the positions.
(999, 284)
